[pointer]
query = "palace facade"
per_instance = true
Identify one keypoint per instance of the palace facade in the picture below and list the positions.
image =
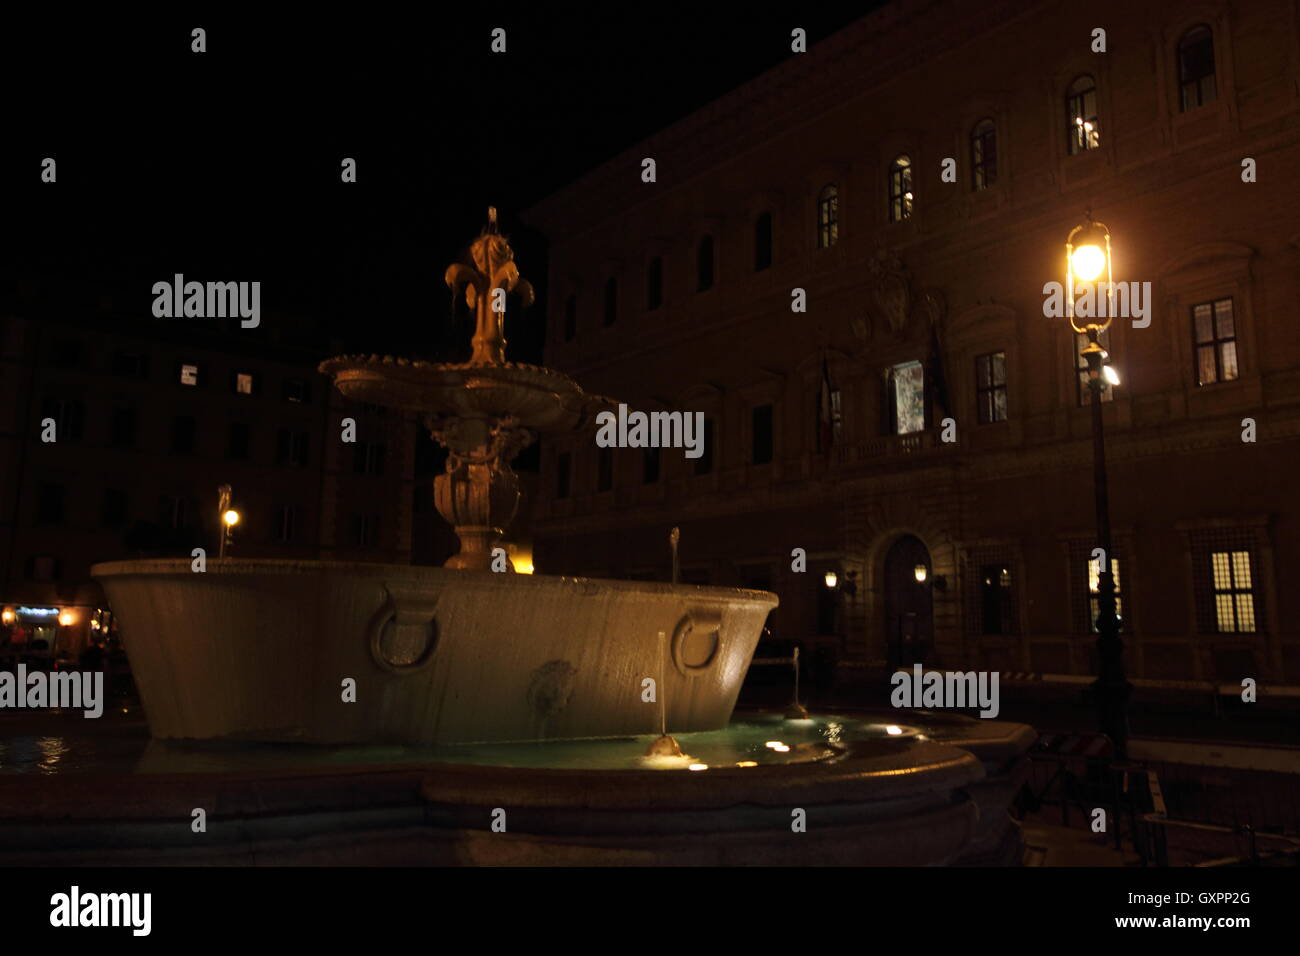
(915, 177)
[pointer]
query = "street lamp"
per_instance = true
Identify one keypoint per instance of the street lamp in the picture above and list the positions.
(1087, 260)
(229, 518)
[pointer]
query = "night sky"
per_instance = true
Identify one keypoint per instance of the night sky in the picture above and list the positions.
(225, 165)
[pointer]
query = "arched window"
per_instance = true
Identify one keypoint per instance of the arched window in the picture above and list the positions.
(900, 189)
(1083, 131)
(654, 283)
(828, 217)
(1196, 67)
(611, 300)
(984, 154)
(704, 264)
(763, 242)
(570, 317)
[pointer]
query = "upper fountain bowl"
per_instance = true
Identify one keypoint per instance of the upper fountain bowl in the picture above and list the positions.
(540, 399)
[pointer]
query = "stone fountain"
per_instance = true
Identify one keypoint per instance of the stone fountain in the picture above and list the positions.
(266, 650)
(508, 691)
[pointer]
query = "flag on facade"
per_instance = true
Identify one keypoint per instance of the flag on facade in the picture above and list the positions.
(825, 414)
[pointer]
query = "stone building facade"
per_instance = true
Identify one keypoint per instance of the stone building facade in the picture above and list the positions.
(925, 304)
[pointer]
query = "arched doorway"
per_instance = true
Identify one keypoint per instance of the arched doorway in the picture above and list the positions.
(909, 606)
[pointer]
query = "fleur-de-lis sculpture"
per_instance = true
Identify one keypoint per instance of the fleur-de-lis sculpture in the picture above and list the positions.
(494, 269)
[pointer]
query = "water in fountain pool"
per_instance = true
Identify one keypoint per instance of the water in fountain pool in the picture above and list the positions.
(752, 740)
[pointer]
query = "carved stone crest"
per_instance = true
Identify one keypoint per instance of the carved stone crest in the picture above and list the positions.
(890, 291)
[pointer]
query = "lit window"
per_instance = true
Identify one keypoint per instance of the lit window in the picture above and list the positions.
(900, 189)
(1196, 68)
(189, 374)
(244, 383)
(1234, 593)
(1083, 129)
(991, 387)
(1094, 584)
(905, 393)
(984, 155)
(828, 217)
(1215, 331)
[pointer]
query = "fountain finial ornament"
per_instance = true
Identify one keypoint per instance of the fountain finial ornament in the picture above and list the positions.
(484, 411)
(486, 284)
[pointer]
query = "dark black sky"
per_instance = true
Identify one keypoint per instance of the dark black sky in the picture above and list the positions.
(225, 165)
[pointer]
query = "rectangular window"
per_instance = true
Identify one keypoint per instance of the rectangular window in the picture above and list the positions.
(563, 468)
(1215, 332)
(291, 448)
(1226, 582)
(906, 397)
(177, 511)
(1234, 592)
(69, 417)
(366, 530)
(130, 365)
(297, 390)
(991, 387)
(368, 458)
(761, 435)
(189, 374)
(996, 610)
(113, 513)
(1094, 577)
(244, 383)
(1081, 366)
(286, 519)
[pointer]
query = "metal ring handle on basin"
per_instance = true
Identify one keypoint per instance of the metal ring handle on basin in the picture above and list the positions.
(405, 610)
(710, 621)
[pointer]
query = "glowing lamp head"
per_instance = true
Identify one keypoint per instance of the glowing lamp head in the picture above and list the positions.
(1110, 374)
(230, 518)
(1089, 252)
(67, 618)
(832, 579)
(920, 572)
(8, 616)
(1088, 262)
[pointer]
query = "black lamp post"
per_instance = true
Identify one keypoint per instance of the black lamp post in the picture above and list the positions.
(1088, 258)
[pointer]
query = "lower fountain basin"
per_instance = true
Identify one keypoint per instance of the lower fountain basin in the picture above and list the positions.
(898, 788)
(336, 653)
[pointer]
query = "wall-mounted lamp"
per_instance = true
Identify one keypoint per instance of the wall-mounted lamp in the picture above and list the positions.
(921, 572)
(832, 579)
